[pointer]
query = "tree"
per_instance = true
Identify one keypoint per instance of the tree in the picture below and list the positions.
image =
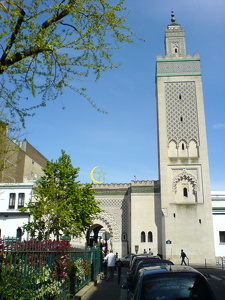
(46, 45)
(62, 205)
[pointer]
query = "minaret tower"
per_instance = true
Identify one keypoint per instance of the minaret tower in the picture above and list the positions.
(182, 152)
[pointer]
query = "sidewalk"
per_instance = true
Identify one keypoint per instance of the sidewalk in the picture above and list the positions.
(110, 290)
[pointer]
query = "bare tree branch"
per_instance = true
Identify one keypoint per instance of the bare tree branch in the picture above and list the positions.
(13, 36)
(59, 16)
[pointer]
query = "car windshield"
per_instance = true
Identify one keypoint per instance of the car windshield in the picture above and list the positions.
(175, 286)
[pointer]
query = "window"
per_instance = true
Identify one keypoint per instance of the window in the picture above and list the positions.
(12, 199)
(124, 236)
(180, 97)
(181, 119)
(185, 192)
(176, 50)
(21, 200)
(182, 146)
(150, 238)
(142, 237)
(222, 236)
(19, 233)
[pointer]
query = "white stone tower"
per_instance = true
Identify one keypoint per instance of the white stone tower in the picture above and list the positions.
(182, 151)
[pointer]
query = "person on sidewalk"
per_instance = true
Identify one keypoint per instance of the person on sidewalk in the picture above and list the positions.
(150, 252)
(111, 262)
(183, 256)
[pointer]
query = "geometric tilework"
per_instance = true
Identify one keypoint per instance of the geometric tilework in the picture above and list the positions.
(181, 112)
(125, 216)
(179, 67)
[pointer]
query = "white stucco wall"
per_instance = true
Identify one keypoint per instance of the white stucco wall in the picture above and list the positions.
(218, 206)
(11, 218)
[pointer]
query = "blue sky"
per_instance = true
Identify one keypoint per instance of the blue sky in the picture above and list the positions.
(124, 142)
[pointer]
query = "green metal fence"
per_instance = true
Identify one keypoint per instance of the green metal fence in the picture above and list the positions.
(27, 274)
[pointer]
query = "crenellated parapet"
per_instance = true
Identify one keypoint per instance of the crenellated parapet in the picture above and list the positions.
(136, 186)
(111, 185)
(143, 182)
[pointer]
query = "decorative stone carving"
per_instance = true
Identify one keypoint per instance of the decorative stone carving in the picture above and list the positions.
(107, 218)
(185, 176)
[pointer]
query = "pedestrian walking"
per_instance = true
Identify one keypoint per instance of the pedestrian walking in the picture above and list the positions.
(111, 263)
(183, 256)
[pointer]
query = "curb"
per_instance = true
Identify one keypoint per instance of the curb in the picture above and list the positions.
(83, 292)
(86, 289)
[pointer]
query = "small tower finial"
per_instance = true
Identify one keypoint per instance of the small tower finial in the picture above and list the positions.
(172, 17)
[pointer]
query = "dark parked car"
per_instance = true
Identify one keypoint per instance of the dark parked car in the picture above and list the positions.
(169, 283)
(135, 258)
(152, 263)
(134, 263)
(125, 261)
(132, 256)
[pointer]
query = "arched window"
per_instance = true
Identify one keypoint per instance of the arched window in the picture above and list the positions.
(185, 192)
(182, 146)
(142, 237)
(150, 237)
(19, 233)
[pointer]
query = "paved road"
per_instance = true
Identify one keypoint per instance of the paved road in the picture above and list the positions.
(112, 290)
(216, 278)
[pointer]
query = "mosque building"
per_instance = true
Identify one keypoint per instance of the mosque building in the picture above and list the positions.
(175, 212)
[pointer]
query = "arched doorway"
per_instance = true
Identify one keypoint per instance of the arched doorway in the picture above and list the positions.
(92, 236)
(97, 235)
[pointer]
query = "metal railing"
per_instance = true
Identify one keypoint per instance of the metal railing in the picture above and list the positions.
(41, 273)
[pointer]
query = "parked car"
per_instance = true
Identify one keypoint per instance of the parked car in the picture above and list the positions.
(134, 263)
(169, 282)
(146, 262)
(125, 261)
(137, 255)
(144, 255)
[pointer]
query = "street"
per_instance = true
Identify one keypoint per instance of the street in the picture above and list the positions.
(216, 278)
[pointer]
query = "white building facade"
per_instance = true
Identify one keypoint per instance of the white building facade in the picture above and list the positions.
(13, 196)
(218, 213)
